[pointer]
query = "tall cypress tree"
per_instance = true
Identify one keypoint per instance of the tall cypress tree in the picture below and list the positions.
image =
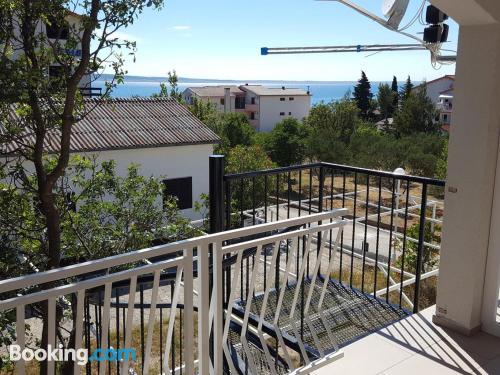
(363, 96)
(406, 90)
(395, 89)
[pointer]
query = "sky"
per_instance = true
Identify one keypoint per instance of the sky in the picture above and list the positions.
(221, 39)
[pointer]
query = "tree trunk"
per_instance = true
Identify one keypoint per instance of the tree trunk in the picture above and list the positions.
(52, 222)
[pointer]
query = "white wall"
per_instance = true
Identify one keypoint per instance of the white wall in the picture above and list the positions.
(74, 23)
(188, 96)
(168, 162)
(270, 108)
(469, 233)
(434, 89)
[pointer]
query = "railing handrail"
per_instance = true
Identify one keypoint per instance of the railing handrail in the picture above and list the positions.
(411, 178)
(21, 282)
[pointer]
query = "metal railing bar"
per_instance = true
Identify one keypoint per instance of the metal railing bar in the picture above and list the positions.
(87, 284)
(408, 282)
(417, 179)
(391, 280)
(282, 236)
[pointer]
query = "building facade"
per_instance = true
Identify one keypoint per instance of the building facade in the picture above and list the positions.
(440, 91)
(158, 134)
(60, 35)
(223, 98)
(264, 106)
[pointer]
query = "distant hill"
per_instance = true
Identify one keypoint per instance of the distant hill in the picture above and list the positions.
(130, 78)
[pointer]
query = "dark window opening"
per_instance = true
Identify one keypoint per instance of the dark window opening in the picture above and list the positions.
(252, 100)
(182, 189)
(56, 77)
(282, 99)
(56, 71)
(239, 102)
(222, 101)
(56, 30)
(252, 115)
(289, 113)
(282, 113)
(291, 99)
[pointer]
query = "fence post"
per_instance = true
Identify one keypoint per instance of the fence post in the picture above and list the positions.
(216, 212)
(320, 205)
(204, 343)
(420, 251)
(216, 193)
(321, 188)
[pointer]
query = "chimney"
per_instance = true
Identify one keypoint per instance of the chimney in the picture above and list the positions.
(227, 99)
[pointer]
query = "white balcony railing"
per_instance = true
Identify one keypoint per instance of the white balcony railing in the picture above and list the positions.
(150, 302)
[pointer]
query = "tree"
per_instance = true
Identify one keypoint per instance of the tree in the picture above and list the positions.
(385, 100)
(206, 112)
(430, 256)
(363, 96)
(330, 128)
(442, 163)
(406, 90)
(104, 215)
(235, 130)
(45, 105)
(395, 90)
(373, 149)
(417, 153)
(170, 89)
(417, 115)
(286, 142)
(248, 193)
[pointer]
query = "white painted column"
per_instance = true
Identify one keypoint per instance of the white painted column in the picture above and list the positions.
(489, 319)
(473, 154)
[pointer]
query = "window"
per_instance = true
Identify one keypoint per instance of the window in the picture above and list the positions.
(56, 75)
(291, 99)
(289, 113)
(252, 115)
(56, 71)
(282, 113)
(282, 99)
(252, 100)
(57, 31)
(239, 102)
(222, 101)
(182, 189)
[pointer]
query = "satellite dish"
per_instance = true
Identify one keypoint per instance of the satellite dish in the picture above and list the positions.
(394, 11)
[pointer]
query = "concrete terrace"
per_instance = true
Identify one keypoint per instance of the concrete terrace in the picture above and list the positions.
(415, 345)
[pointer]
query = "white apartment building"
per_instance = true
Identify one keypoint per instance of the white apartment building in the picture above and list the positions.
(445, 106)
(267, 106)
(264, 106)
(218, 96)
(60, 34)
(440, 91)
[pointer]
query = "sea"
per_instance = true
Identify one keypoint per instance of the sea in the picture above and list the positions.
(147, 86)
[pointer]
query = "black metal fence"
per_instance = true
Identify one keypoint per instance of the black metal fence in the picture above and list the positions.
(391, 247)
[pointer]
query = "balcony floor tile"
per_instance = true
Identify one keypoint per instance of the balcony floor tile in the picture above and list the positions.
(415, 345)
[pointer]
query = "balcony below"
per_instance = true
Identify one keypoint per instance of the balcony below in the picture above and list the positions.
(251, 107)
(415, 345)
(90, 92)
